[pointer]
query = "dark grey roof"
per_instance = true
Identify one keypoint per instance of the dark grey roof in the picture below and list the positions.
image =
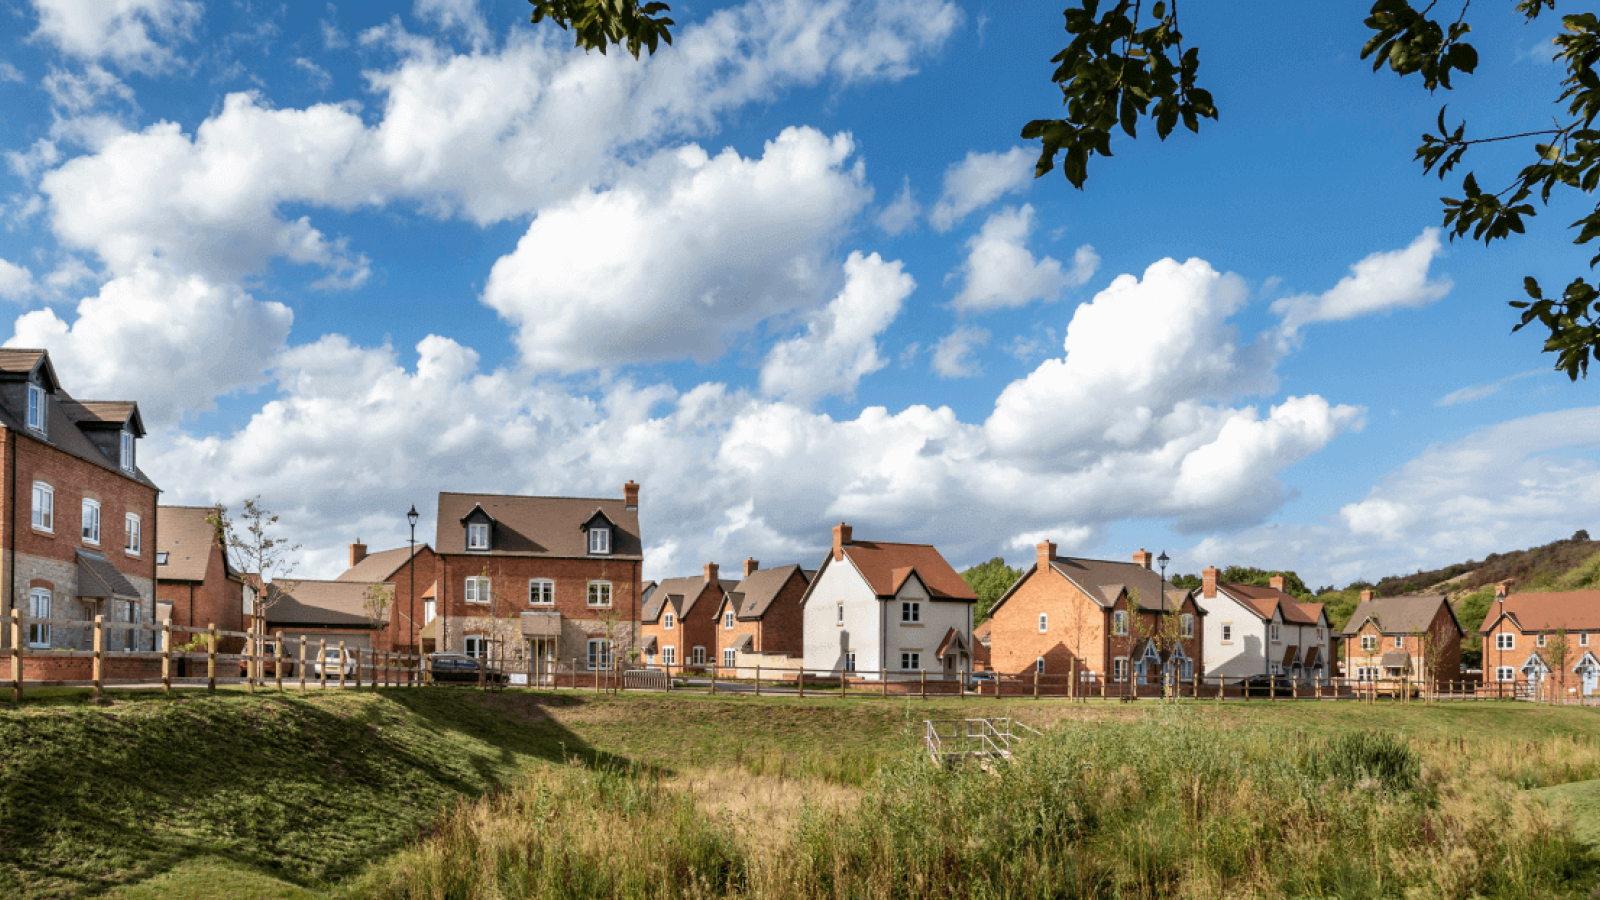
(754, 595)
(99, 579)
(538, 526)
(1406, 614)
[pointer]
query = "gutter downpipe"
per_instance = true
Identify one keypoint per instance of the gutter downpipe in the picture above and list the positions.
(11, 539)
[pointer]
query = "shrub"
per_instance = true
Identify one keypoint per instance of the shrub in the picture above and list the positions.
(1357, 758)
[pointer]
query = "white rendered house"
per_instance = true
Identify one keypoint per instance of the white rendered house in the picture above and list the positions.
(1253, 630)
(874, 607)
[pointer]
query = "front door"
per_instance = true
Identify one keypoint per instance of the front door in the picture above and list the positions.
(1591, 680)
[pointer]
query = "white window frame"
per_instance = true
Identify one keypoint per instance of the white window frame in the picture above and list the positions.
(477, 535)
(541, 592)
(600, 540)
(730, 657)
(910, 612)
(1186, 671)
(39, 608)
(1583, 639)
(727, 620)
(1038, 665)
(477, 590)
(849, 660)
(697, 656)
(430, 609)
(1505, 673)
(1399, 641)
(1539, 641)
(841, 615)
(1227, 632)
(1277, 633)
(910, 660)
(1186, 625)
(127, 451)
(44, 507)
(91, 521)
(476, 646)
(1044, 622)
(132, 542)
(1369, 643)
(597, 588)
(1505, 640)
(599, 651)
(1119, 622)
(1119, 669)
(38, 420)
(669, 656)
(668, 621)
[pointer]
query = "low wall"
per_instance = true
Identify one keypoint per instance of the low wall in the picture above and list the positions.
(77, 668)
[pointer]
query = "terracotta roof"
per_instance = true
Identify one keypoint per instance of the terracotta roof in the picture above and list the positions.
(1406, 614)
(953, 641)
(1310, 612)
(187, 538)
(886, 567)
(1289, 654)
(1548, 611)
(98, 578)
(1263, 600)
(379, 566)
(322, 603)
(1103, 580)
(1313, 656)
(538, 526)
(754, 595)
(981, 633)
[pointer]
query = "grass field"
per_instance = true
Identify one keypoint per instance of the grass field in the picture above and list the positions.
(295, 796)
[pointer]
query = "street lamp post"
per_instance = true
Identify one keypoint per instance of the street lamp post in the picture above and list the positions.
(411, 517)
(1163, 559)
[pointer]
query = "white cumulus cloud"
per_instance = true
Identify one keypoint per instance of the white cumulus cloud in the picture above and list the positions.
(978, 181)
(135, 34)
(1394, 279)
(1000, 272)
(955, 354)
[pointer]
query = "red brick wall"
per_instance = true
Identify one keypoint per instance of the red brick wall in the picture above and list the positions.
(509, 577)
(218, 600)
(701, 627)
(405, 619)
(1075, 630)
(45, 667)
(782, 629)
(1443, 630)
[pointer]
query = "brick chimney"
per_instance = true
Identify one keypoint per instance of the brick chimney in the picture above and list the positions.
(750, 566)
(841, 536)
(1366, 595)
(1208, 582)
(630, 495)
(1277, 582)
(711, 571)
(1143, 558)
(358, 552)
(1502, 589)
(1047, 552)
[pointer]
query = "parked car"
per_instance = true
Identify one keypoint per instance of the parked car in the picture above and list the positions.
(1268, 685)
(332, 661)
(979, 680)
(459, 667)
(269, 666)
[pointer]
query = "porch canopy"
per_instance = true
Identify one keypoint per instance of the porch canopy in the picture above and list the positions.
(541, 625)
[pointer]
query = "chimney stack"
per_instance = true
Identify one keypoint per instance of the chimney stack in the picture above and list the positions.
(630, 495)
(750, 566)
(358, 552)
(1143, 558)
(1366, 595)
(711, 571)
(841, 536)
(1047, 552)
(1277, 582)
(1502, 589)
(1208, 582)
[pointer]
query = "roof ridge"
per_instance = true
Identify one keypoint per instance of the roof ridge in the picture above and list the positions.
(531, 496)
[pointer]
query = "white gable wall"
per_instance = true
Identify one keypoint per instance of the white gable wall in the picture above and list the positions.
(1245, 653)
(826, 640)
(924, 637)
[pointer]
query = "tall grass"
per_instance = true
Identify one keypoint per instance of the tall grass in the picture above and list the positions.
(1166, 807)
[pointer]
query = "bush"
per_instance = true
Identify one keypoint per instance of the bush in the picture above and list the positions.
(1359, 758)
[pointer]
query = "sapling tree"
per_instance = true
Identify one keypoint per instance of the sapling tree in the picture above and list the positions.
(255, 546)
(1557, 653)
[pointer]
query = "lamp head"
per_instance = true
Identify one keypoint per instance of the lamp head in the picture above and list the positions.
(1163, 559)
(412, 516)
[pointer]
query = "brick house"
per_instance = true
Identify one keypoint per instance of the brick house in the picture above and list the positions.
(760, 620)
(1522, 637)
(1397, 637)
(411, 576)
(1070, 616)
(196, 585)
(877, 607)
(678, 624)
(554, 578)
(1254, 630)
(331, 611)
(88, 547)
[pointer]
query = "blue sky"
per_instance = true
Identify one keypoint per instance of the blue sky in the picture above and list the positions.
(793, 270)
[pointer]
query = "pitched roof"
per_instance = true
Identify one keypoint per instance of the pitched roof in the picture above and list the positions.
(187, 538)
(753, 595)
(105, 413)
(20, 363)
(1103, 580)
(98, 578)
(886, 568)
(1263, 600)
(538, 526)
(322, 603)
(379, 566)
(1548, 611)
(682, 592)
(1395, 659)
(1406, 614)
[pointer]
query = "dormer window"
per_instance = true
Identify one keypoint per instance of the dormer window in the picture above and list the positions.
(478, 536)
(127, 451)
(599, 539)
(36, 408)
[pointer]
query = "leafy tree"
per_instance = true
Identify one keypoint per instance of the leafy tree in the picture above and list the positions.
(989, 581)
(1292, 584)
(1470, 612)
(1187, 582)
(597, 24)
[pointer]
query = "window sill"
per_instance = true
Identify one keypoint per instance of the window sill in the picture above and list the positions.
(910, 624)
(43, 531)
(132, 554)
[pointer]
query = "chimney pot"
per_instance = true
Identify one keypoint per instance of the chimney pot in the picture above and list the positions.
(1208, 582)
(711, 571)
(630, 494)
(841, 536)
(1277, 582)
(358, 552)
(750, 565)
(1047, 552)
(1143, 557)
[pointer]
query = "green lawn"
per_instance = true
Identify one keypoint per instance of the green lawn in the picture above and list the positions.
(1581, 799)
(151, 796)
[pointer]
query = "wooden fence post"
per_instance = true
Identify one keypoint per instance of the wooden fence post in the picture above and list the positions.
(883, 675)
(211, 658)
(301, 649)
(277, 660)
(99, 655)
(166, 656)
(1035, 682)
(322, 663)
(342, 657)
(713, 679)
(358, 668)
(758, 679)
(842, 679)
(16, 657)
(923, 678)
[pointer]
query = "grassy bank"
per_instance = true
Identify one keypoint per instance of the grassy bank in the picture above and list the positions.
(152, 797)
